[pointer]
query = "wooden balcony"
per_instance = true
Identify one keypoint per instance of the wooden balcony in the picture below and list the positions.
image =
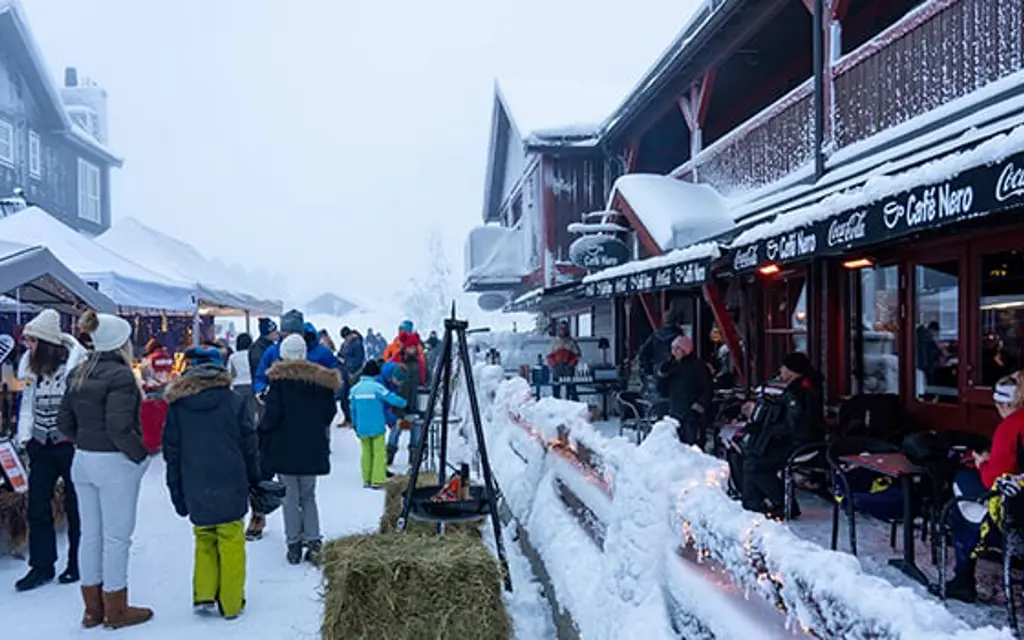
(765, 148)
(937, 53)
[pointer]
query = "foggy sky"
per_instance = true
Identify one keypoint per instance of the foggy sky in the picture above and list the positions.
(323, 139)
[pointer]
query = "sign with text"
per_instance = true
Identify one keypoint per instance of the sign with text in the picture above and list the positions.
(973, 193)
(598, 252)
(685, 275)
(12, 468)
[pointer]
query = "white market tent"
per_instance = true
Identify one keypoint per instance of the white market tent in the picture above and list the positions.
(218, 291)
(132, 287)
(31, 278)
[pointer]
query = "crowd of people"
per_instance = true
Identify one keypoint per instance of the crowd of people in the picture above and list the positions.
(247, 430)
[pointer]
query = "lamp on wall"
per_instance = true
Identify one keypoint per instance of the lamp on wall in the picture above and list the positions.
(769, 269)
(858, 263)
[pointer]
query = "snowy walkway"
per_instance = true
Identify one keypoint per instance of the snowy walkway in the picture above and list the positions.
(283, 601)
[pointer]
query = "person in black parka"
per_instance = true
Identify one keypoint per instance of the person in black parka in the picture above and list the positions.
(211, 450)
(794, 420)
(295, 440)
(687, 384)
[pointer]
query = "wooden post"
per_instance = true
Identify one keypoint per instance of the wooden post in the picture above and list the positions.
(694, 104)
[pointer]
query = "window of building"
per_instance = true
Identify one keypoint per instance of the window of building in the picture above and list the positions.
(1001, 315)
(937, 331)
(90, 194)
(585, 325)
(6, 142)
(35, 155)
(875, 330)
(786, 321)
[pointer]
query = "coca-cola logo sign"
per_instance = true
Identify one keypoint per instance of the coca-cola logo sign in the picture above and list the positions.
(849, 230)
(1010, 183)
(745, 258)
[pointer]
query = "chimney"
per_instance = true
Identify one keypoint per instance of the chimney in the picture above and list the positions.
(86, 103)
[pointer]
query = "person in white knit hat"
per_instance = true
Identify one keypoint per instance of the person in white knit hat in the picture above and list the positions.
(44, 368)
(101, 415)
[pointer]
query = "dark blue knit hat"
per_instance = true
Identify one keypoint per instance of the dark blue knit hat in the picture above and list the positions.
(204, 355)
(267, 326)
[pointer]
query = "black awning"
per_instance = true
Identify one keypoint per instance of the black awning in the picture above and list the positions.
(971, 193)
(684, 275)
(543, 300)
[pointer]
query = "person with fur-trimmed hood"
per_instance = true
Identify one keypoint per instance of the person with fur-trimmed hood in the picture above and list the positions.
(295, 440)
(211, 450)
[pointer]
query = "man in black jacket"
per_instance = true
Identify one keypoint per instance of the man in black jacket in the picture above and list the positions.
(657, 349)
(793, 420)
(268, 336)
(687, 384)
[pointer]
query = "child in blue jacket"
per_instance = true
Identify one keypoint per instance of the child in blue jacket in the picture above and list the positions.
(369, 400)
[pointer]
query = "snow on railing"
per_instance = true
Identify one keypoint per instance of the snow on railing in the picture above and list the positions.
(667, 501)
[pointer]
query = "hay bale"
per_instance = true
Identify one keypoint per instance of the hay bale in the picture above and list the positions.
(394, 492)
(399, 586)
(14, 517)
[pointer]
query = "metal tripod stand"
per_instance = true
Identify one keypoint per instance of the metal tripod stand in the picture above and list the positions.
(455, 338)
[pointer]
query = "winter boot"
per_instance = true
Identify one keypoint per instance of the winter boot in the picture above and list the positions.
(963, 586)
(257, 523)
(391, 451)
(70, 575)
(294, 555)
(117, 613)
(35, 578)
(205, 608)
(313, 551)
(92, 597)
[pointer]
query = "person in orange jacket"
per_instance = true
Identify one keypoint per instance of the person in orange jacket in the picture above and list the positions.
(408, 346)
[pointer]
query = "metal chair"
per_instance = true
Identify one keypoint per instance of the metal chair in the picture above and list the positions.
(634, 413)
(843, 447)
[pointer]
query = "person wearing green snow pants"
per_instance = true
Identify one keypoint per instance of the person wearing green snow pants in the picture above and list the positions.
(367, 399)
(219, 578)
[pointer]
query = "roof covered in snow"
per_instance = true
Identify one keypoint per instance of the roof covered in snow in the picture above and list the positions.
(496, 255)
(39, 79)
(701, 251)
(160, 251)
(675, 213)
(129, 284)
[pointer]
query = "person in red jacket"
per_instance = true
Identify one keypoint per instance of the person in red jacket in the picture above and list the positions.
(972, 526)
(157, 366)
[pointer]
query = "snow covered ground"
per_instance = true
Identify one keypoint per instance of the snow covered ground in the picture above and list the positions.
(283, 601)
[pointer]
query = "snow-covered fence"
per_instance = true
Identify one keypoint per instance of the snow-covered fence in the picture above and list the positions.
(659, 504)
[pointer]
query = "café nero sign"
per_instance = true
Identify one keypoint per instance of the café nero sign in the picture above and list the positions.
(973, 193)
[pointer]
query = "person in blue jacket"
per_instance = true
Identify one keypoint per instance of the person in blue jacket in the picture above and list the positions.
(369, 400)
(291, 322)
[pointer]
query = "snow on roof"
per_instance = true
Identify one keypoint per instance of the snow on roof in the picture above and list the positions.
(879, 186)
(529, 295)
(596, 227)
(497, 252)
(702, 251)
(676, 213)
(43, 72)
(127, 283)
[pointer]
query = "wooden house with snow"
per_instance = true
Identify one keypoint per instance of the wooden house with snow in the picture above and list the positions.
(53, 139)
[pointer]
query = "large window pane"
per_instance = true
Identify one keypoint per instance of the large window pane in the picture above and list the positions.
(878, 288)
(1001, 316)
(786, 328)
(937, 331)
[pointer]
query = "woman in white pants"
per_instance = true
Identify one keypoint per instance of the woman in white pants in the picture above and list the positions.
(101, 415)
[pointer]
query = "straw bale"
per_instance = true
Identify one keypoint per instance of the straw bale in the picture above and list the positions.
(398, 586)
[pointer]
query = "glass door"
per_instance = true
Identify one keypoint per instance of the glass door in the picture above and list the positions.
(935, 327)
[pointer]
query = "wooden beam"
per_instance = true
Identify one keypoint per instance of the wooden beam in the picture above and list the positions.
(696, 99)
(647, 311)
(724, 321)
(620, 204)
(840, 8)
(632, 151)
(548, 202)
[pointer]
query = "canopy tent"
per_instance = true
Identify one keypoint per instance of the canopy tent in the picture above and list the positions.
(32, 277)
(133, 288)
(218, 290)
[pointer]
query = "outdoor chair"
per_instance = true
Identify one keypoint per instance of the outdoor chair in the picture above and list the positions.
(635, 413)
(872, 415)
(838, 448)
(1013, 539)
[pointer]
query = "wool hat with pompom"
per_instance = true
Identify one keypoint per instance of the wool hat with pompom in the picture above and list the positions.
(293, 348)
(45, 327)
(109, 333)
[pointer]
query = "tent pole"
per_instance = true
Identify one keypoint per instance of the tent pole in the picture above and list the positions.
(248, 321)
(17, 306)
(195, 327)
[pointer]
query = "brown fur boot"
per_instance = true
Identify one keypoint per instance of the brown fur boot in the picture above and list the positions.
(92, 597)
(118, 613)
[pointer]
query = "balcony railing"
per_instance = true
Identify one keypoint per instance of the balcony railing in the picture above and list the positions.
(941, 51)
(937, 53)
(764, 149)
